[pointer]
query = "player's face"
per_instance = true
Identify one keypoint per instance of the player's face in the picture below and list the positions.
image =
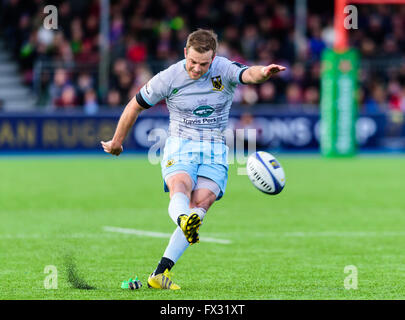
(197, 64)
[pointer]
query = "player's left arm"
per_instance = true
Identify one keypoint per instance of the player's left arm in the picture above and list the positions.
(260, 74)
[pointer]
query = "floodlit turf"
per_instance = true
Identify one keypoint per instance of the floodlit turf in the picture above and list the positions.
(332, 214)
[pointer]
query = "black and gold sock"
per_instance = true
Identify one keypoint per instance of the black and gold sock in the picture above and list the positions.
(165, 263)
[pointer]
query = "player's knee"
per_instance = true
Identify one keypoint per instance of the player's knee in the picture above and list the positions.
(202, 200)
(201, 204)
(180, 183)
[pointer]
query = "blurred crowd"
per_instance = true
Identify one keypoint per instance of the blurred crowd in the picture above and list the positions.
(146, 36)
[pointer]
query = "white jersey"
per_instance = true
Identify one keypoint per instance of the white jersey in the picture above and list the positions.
(199, 109)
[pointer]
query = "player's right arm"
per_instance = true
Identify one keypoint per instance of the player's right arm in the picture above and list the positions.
(127, 120)
(152, 92)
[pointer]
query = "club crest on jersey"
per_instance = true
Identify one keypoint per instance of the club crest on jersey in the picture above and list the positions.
(169, 163)
(217, 83)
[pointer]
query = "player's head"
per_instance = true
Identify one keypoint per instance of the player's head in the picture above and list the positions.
(199, 52)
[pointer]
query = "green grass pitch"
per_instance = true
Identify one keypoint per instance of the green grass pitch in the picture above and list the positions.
(332, 213)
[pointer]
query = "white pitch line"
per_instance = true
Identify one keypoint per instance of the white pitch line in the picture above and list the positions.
(159, 234)
(315, 234)
(346, 234)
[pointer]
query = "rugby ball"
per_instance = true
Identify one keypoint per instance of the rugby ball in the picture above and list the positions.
(265, 172)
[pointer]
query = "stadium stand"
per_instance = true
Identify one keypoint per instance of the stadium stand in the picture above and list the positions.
(146, 36)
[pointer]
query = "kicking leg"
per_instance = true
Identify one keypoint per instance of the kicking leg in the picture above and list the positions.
(202, 198)
(180, 185)
(201, 201)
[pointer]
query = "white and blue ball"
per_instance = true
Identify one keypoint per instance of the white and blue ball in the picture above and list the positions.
(265, 172)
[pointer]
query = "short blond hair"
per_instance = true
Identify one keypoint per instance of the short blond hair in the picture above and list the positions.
(202, 41)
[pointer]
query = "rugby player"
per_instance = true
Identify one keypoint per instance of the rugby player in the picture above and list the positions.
(198, 91)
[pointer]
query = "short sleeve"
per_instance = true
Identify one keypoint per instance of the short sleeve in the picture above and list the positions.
(155, 90)
(234, 72)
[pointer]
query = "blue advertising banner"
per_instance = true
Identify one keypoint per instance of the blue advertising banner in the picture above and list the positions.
(56, 133)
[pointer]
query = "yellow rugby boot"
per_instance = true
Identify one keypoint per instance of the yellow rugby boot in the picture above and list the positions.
(190, 225)
(162, 281)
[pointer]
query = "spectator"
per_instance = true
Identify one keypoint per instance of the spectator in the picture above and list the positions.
(117, 29)
(60, 80)
(77, 37)
(316, 45)
(293, 94)
(311, 95)
(367, 47)
(146, 36)
(402, 100)
(249, 95)
(142, 74)
(68, 99)
(136, 51)
(394, 92)
(250, 41)
(114, 98)
(298, 74)
(375, 102)
(90, 102)
(267, 92)
(125, 82)
(84, 84)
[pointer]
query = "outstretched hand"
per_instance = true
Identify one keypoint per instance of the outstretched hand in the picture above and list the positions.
(112, 148)
(272, 69)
